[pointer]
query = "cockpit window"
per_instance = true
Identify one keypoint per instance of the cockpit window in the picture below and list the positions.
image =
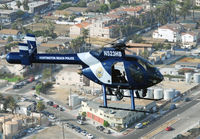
(145, 65)
(136, 73)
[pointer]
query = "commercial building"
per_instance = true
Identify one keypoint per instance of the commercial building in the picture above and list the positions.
(118, 119)
(25, 108)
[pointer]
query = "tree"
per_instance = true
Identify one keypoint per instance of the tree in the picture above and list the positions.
(1, 97)
(6, 102)
(5, 6)
(84, 114)
(184, 10)
(25, 5)
(36, 18)
(12, 105)
(40, 107)
(106, 124)
(85, 34)
(114, 4)
(82, 4)
(46, 73)
(38, 88)
(18, 4)
(77, 43)
(10, 39)
(103, 8)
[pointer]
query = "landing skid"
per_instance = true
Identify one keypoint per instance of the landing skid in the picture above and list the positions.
(132, 101)
(125, 109)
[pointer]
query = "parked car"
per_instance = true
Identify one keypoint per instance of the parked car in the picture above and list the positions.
(56, 106)
(169, 128)
(80, 122)
(33, 88)
(84, 132)
(50, 103)
(90, 136)
(138, 126)
(52, 117)
(31, 79)
(101, 128)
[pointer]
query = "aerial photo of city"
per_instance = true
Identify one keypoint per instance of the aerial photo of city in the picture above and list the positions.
(99, 69)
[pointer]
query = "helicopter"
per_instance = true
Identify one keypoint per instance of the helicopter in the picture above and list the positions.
(110, 67)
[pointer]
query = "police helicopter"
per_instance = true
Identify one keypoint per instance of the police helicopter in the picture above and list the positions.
(109, 67)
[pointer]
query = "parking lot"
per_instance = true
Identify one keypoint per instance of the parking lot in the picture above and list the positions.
(54, 132)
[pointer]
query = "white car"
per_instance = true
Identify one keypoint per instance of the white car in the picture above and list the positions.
(80, 122)
(90, 136)
(138, 126)
(52, 117)
(84, 133)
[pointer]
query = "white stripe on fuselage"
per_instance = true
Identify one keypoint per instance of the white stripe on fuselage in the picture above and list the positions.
(25, 48)
(28, 38)
(94, 65)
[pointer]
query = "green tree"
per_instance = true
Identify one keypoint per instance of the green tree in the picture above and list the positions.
(46, 73)
(6, 102)
(40, 107)
(25, 5)
(114, 4)
(185, 7)
(82, 4)
(18, 4)
(104, 8)
(5, 6)
(12, 104)
(84, 114)
(77, 43)
(85, 34)
(20, 13)
(38, 88)
(36, 18)
(10, 39)
(1, 97)
(106, 124)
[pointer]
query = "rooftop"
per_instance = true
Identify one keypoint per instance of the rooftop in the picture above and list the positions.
(9, 31)
(24, 104)
(2, 11)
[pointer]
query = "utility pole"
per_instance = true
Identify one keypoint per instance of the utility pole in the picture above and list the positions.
(63, 131)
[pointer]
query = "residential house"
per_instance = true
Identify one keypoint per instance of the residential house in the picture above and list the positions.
(139, 48)
(189, 39)
(133, 11)
(77, 29)
(169, 32)
(7, 16)
(15, 34)
(25, 108)
(117, 118)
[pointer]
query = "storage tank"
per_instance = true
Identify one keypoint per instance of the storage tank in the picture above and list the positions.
(10, 128)
(113, 98)
(169, 94)
(158, 93)
(74, 100)
(196, 77)
(126, 93)
(188, 77)
(149, 93)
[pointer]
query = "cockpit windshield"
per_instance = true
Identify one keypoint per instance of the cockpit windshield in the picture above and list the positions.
(146, 65)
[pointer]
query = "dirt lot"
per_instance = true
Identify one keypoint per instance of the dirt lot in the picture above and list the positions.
(190, 60)
(59, 29)
(54, 132)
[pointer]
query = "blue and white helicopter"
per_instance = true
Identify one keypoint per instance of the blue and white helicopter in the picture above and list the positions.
(110, 67)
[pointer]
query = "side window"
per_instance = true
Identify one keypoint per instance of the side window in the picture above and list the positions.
(136, 73)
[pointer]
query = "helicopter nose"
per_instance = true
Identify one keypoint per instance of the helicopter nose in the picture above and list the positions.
(159, 76)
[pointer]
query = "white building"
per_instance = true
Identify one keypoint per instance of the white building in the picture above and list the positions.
(24, 108)
(102, 28)
(169, 32)
(116, 118)
(77, 29)
(189, 37)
